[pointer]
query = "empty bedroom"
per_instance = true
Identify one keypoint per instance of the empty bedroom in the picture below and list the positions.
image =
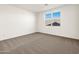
(39, 29)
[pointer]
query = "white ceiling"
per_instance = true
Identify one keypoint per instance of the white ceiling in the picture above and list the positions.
(36, 7)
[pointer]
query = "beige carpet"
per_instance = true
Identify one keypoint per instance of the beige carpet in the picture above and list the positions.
(39, 43)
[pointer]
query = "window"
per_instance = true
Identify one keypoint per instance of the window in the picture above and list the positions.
(52, 18)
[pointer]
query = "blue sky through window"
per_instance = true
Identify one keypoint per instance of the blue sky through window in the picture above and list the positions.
(48, 15)
(52, 15)
(56, 14)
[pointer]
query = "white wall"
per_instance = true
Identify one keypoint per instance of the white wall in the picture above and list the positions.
(15, 22)
(69, 23)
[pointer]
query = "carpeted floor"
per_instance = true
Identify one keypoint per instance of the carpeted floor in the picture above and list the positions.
(39, 43)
